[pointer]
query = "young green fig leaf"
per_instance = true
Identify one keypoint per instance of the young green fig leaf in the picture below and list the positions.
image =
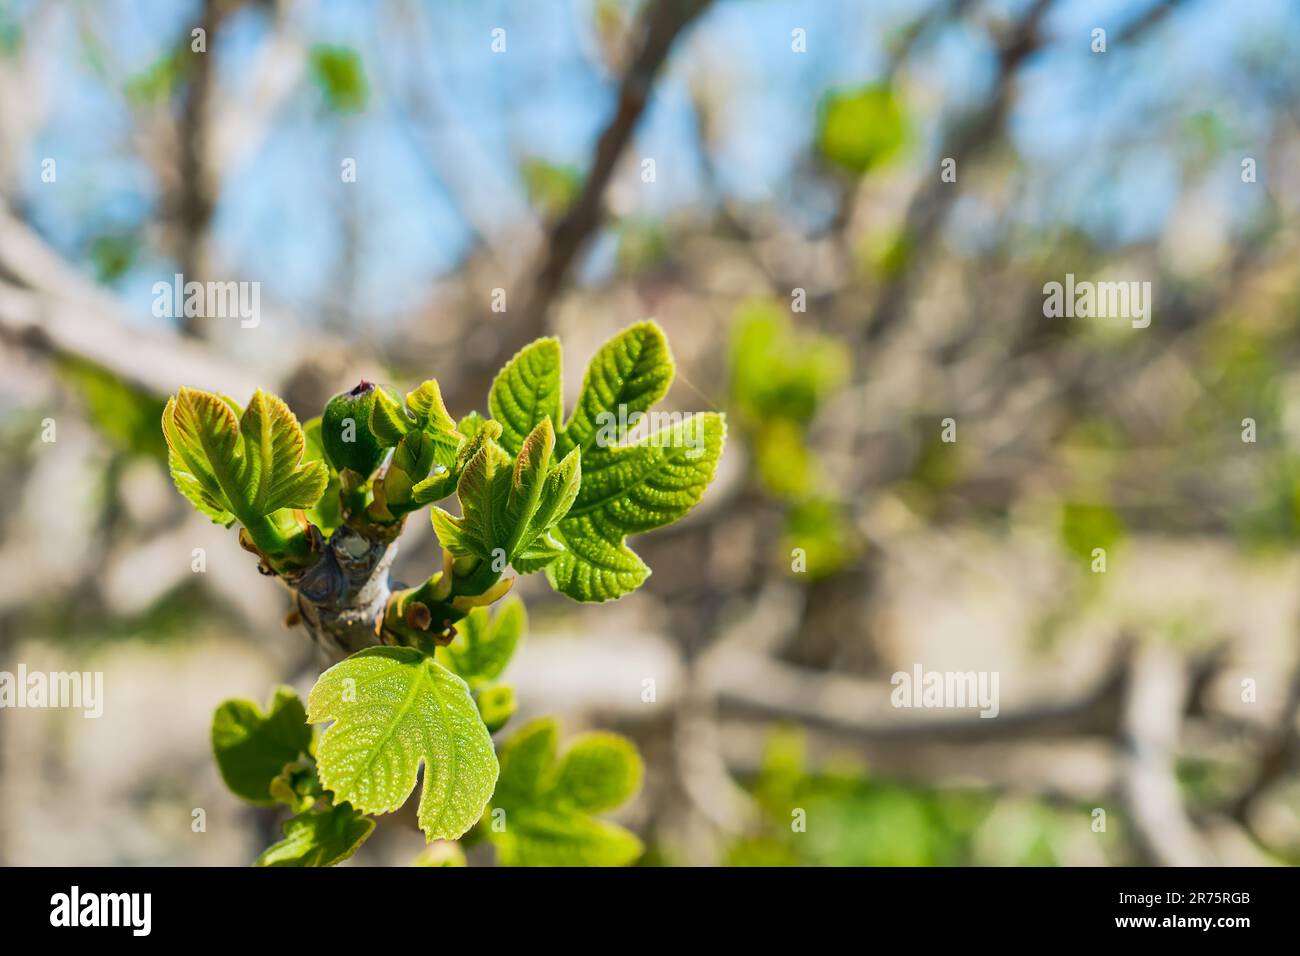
(243, 465)
(549, 803)
(535, 548)
(319, 838)
(485, 642)
(532, 463)
(252, 747)
(394, 708)
(484, 490)
(599, 772)
(605, 488)
(427, 450)
(203, 455)
(508, 510)
(526, 391)
(470, 425)
(426, 407)
(632, 489)
(389, 421)
(625, 377)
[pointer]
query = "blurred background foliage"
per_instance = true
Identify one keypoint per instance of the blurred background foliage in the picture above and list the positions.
(862, 821)
(820, 280)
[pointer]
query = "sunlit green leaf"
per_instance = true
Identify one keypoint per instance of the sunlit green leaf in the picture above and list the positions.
(628, 374)
(600, 772)
(428, 451)
(526, 391)
(394, 708)
(629, 490)
(483, 490)
(232, 465)
(617, 488)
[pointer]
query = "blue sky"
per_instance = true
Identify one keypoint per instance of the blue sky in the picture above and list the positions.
(1094, 131)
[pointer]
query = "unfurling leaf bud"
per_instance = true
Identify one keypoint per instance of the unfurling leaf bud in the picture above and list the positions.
(346, 434)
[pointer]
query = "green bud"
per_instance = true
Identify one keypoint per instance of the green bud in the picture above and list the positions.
(346, 434)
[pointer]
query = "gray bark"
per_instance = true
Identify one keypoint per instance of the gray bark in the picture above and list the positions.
(341, 598)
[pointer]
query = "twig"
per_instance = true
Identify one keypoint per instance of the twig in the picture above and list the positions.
(928, 206)
(663, 21)
(197, 185)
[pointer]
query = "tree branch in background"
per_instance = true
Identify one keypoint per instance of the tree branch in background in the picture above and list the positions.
(48, 306)
(929, 205)
(197, 185)
(663, 22)
(212, 135)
